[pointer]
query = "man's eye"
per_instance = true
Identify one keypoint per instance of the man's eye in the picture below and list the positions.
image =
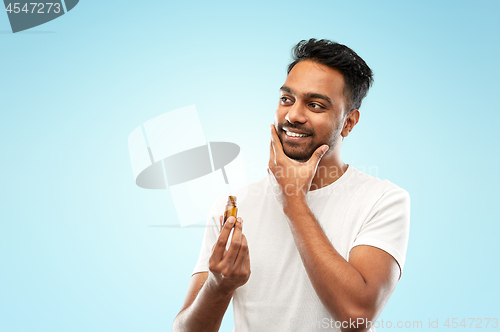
(285, 99)
(316, 106)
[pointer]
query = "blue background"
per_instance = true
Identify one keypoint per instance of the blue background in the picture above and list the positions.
(77, 250)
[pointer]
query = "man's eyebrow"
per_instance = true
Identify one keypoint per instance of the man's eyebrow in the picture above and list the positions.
(319, 96)
(309, 95)
(287, 89)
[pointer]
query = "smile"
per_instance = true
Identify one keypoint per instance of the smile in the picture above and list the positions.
(294, 135)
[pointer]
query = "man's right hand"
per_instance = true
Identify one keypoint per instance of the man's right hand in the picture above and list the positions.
(229, 269)
(209, 293)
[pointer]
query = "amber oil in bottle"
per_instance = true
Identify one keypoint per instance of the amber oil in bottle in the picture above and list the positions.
(231, 209)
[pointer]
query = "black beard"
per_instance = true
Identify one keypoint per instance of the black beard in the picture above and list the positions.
(304, 153)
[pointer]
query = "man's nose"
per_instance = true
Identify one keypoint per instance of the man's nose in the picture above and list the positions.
(296, 113)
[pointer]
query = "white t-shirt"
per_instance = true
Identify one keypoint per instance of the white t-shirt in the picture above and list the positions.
(356, 209)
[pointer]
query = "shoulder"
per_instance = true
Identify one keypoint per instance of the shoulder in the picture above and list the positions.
(376, 186)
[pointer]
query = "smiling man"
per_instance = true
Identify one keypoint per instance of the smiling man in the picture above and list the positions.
(323, 244)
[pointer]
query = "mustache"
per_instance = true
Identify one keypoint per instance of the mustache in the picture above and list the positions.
(294, 126)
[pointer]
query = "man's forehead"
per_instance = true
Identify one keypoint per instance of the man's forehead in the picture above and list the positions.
(308, 77)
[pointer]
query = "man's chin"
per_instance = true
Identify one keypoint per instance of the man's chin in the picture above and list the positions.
(297, 155)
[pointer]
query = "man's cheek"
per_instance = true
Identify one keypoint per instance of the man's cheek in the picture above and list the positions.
(280, 136)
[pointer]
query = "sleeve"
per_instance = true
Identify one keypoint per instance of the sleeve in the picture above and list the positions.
(211, 234)
(387, 225)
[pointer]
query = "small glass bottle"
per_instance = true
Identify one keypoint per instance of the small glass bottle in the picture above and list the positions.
(231, 209)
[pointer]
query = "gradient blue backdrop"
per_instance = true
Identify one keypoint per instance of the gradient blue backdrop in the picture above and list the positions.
(77, 250)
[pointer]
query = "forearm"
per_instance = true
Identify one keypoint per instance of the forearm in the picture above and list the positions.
(206, 311)
(338, 284)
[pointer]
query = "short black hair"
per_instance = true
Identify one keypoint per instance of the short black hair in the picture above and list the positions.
(358, 77)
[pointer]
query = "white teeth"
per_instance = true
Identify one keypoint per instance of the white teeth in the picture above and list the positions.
(289, 133)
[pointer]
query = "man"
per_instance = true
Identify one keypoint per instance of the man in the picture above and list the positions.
(326, 242)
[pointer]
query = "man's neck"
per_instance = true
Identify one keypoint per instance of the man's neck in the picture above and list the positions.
(329, 170)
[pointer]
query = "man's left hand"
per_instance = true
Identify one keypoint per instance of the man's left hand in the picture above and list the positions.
(294, 177)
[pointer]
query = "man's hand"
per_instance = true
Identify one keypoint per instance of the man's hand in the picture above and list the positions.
(294, 177)
(229, 269)
(209, 293)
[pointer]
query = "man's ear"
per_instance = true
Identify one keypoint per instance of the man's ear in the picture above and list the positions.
(351, 119)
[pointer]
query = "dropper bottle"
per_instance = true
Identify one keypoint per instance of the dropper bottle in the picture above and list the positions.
(231, 209)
